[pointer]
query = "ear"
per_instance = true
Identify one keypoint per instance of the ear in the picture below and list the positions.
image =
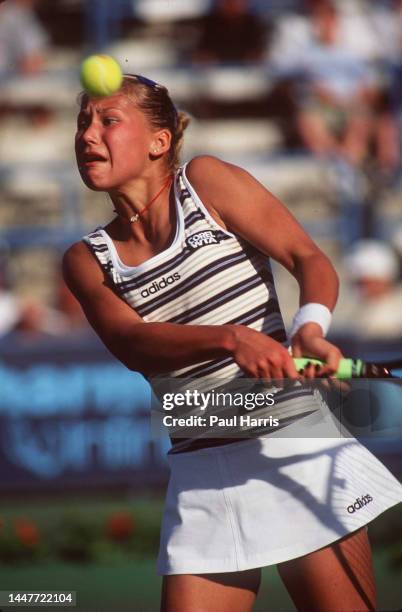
(160, 143)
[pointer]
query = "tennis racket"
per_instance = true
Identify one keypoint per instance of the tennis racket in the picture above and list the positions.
(356, 368)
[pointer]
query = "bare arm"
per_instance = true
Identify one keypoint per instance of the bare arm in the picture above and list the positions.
(142, 346)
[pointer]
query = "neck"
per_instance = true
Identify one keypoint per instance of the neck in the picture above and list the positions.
(140, 202)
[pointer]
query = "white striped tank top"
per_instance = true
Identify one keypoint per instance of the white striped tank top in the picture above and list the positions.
(207, 276)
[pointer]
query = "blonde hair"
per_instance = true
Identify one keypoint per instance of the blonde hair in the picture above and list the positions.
(156, 104)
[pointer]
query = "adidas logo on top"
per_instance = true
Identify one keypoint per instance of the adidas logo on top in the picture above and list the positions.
(157, 285)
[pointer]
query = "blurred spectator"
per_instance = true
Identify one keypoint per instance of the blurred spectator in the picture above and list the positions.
(342, 109)
(373, 309)
(104, 21)
(396, 242)
(9, 306)
(295, 31)
(373, 31)
(390, 33)
(36, 319)
(32, 319)
(23, 41)
(336, 92)
(231, 34)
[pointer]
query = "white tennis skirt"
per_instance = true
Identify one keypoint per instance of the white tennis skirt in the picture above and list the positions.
(267, 500)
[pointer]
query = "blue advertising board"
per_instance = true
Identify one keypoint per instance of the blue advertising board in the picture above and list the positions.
(72, 415)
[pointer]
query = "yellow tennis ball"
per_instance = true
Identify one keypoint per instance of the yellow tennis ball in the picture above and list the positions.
(100, 75)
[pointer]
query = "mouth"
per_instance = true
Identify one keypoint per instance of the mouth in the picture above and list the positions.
(90, 159)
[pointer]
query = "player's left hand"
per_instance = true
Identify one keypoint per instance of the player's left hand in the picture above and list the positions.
(309, 342)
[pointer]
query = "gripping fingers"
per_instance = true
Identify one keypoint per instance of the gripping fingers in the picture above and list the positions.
(310, 371)
(290, 369)
(282, 369)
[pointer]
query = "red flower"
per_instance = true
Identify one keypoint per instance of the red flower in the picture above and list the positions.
(120, 526)
(27, 532)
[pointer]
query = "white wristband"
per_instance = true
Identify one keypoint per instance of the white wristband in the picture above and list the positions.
(312, 313)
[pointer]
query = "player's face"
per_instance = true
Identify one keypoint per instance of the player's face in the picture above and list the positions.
(112, 142)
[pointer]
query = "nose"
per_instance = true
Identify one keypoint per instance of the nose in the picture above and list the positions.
(90, 134)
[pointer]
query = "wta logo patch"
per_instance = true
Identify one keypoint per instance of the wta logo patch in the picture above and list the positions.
(196, 241)
(359, 503)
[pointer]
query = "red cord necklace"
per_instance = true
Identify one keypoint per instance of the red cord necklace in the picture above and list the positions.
(137, 215)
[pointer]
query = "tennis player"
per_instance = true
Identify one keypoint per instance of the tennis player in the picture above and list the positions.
(179, 284)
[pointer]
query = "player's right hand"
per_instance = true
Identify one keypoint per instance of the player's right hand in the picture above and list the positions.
(260, 356)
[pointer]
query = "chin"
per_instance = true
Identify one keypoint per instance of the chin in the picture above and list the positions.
(95, 185)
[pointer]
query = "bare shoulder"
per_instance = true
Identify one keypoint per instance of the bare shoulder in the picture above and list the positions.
(210, 170)
(219, 184)
(75, 252)
(80, 268)
(202, 164)
(227, 189)
(248, 209)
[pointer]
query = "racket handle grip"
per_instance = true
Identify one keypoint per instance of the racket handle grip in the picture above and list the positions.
(348, 368)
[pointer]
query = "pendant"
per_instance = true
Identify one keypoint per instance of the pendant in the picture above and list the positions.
(134, 218)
